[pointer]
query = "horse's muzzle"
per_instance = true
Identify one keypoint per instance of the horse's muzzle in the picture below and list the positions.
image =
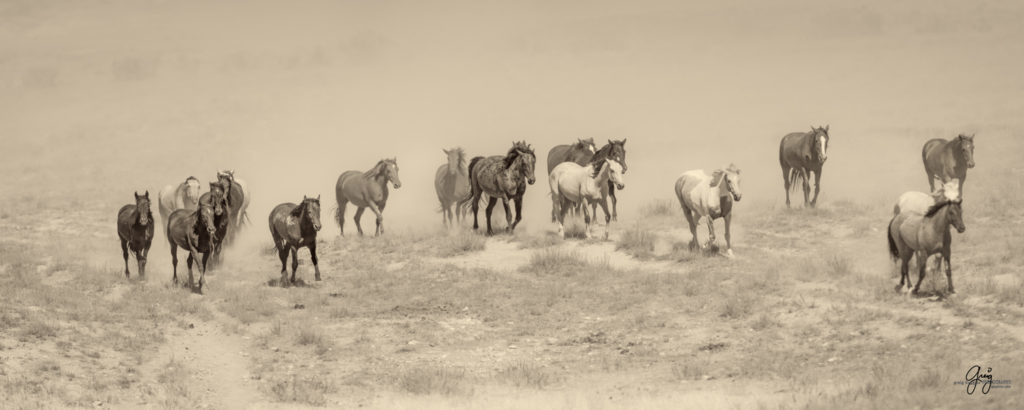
(961, 229)
(620, 186)
(736, 197)
(531, 181)
(317, 227)
(970, 164)
(396, 184)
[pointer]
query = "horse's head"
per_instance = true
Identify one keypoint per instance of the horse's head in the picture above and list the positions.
(206, 218)
(617, 152)
(310, 209)
(820, 144)
(456, 160)
(587, 144)
(967, 149)
(391, 171)
(142, 205)
(192, 190)
(524, 160)
(615, 173)
(956, 216)
(729, 178)
(217, 197)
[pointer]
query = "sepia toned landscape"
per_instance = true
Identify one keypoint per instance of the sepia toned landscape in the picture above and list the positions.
(103, 99)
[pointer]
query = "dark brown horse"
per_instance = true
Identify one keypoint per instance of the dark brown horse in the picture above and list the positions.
(217, 198)
(135, 228)
(366, 190)
(946, 160)
(451, 182)
(293, 227)
(501, 177)
(615, 151)
(579, 152)
(195, 231)
(800, 154)
(911, 233)
(235, 199)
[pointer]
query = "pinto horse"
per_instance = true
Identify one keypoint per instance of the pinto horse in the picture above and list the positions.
(292, 227)
(911, 234)
(946, 160)
(800, 154)
(366, 190)
(135, 229)
(501, 177)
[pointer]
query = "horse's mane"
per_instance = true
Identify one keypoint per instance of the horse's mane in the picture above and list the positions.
(606, 150)
(719, 174)
(519, 147)
(191, 178)
(934, 209)
(297, 212)
(461, 163)
(598, 165)
(377, 169)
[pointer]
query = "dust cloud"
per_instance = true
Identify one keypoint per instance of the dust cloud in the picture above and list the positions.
(102, 98)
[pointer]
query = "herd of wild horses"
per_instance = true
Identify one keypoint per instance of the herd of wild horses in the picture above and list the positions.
(581, 177)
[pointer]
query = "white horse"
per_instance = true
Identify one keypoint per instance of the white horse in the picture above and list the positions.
(709, 196)
(916, 201)
(181, 196)
(573, 184)
(246, 194)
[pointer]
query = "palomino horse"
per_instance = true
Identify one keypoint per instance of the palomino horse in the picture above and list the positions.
(366, 190)
(573, 184)
(579, 152)
(916, 201)
(911, 233)
(135, 228)
(182, 196)
(293, 227)
(946, 160)
(501, 178)
(709, 196)
(616, 151)
(801, 153)
(195, 231)
(217, 198)
(451, 182)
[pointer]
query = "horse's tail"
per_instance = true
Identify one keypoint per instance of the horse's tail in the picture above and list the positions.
(894, 252)
(472, 182)
(338, 216)
(794, 175)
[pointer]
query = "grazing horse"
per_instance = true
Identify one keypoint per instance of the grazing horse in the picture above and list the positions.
(711, 197)
(946, 160)
(293, 227)
(911, 233)
(801, 153)
(616, 151)
(195, 231)
(451, 182)
(366, 190)
(501, 178)
(182, 196)
(217, 198)
(573, 184)
(915, 201)
(135, 228)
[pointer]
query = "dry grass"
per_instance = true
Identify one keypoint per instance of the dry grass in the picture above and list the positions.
(637, 241)
(443, 380)
(305, 389)
(460, 242)
(525, 374)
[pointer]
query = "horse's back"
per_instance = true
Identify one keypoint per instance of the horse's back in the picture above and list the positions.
(930, 154)
(178, 226)
(563, 177)
(790, 148)
(913, 201)
(347, 182)
(279, 217)
(556, 156)
(687, 186)
(124, 221)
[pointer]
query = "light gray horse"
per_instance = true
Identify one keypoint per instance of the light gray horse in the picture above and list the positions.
(709, 196)
(366, 190)
(572, 184)
(181, 196)
(451, 182)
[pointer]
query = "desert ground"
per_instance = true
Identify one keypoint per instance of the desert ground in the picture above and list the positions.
(100, 99)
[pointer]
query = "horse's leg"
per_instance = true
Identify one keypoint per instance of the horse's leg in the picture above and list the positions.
(312, 256)
(191, 257)
(711, 231)
(786, 182)
(202, 271)
(728, 234)
(380, 218)
(564, 208)
(283, 255)
(693, 227)
(341, 215)
(584, 205)
(487, 213)
(615, 203)
(922, 265)
(124, 252)
(508, 215)
(905, 270)
(806, 176)
(555, 205)
(446, 215)
(607, 219)
(142, 257)
(295, 262)
(518, 202)
(475, 205)
(359, 214)
(817, 187)
(174, 262)
(949, 269)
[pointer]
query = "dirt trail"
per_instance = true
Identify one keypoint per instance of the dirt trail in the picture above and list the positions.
(216, 360)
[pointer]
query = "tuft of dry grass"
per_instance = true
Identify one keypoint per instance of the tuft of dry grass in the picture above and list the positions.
(443, 380)
(525, 374)
(660, 208)
(563, 262)
(312, 390)
(459, 243)
(637, 241)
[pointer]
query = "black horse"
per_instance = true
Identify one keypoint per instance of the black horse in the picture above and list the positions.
(135, 228)
(217, 198)
(195, 231)
(293, 227)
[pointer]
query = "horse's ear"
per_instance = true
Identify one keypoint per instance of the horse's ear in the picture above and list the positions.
(318, 197)
(445, 151)
(304, 197)
(623, 142)
(812, 129)
(147, 194)
(136, 195)
(826, 127)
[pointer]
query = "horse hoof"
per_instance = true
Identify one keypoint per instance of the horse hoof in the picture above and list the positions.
(729, 254)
